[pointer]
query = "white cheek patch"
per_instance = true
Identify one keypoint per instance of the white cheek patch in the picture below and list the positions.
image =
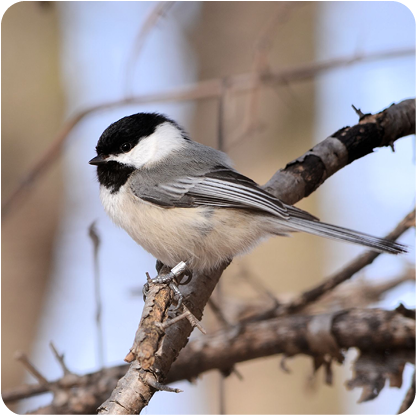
(166, 139)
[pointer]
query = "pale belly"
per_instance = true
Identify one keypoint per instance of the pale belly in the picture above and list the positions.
(203, 237)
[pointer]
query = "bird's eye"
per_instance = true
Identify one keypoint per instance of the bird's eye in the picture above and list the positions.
(126, 147)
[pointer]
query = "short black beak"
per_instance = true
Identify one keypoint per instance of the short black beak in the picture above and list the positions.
(98, 160)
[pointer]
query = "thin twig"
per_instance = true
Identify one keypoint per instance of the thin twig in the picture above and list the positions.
(312, 295)
(92, 233)
(348, 271)
(22, 357)
(218, 312)
(193, 320)
(199, 91)
(185, 315)
(151, 380)
(258, 285)
(60, 359)
(261, 64)
(157, 12)
(410, 396)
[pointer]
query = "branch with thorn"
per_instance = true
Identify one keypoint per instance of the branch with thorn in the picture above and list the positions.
(314, 335)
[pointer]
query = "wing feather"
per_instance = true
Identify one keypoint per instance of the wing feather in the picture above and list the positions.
(220, 187)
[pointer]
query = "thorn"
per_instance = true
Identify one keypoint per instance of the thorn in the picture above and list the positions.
(59, 358)
(130, 357)
(92, 233)
(193, 320)
(283, 364)
(151, 380)
(328, 372)
(21, 357)
(358, 112)
(218, 313)
(238, 374)
(185, 315)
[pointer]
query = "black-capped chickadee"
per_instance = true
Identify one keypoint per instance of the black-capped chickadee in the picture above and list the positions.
(183, 201)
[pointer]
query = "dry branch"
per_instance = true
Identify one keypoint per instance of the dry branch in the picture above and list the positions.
(360, 292)
(349, 270)
(365, 329)
(305, 174)
(157, 12)
(370, 330)
(334, 280)
(370, 291)
(202, 90)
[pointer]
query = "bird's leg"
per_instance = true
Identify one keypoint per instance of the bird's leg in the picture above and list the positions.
(187, 273)
(170, 279)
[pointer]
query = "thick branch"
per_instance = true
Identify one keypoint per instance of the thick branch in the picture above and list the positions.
(365, 329)
(370, 330)
(305, 174)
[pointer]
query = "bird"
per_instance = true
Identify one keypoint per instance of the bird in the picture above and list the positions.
(183, 201)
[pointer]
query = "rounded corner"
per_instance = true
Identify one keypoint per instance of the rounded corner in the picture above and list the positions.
(4, 408)
(405, 4)
(9, 7)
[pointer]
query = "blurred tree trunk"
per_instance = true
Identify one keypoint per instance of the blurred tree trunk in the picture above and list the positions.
(33, 114)
(235, 37)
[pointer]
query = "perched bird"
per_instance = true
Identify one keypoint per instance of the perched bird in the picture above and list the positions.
(183, 201)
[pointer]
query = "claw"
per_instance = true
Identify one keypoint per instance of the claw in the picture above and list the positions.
(177, 292)
(145, 290)
(175, 272)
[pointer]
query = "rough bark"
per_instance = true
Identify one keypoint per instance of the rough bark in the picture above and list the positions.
(374, 331)
(366, 329)
(305, 174)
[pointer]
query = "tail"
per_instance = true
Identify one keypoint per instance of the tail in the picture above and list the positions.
(330, 231)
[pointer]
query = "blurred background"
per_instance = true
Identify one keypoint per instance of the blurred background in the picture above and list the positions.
(60, 58)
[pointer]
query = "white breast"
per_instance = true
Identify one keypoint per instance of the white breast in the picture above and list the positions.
(171, 235)
(203, 237)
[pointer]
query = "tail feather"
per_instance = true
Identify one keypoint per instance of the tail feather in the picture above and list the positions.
(340, 233)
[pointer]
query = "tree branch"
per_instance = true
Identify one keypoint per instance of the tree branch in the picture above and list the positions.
(202, 90)
(365, 329)
(370, 330)
(352, 268)
(305, 174)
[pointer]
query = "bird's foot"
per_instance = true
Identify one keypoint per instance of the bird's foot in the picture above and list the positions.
(171, 279)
